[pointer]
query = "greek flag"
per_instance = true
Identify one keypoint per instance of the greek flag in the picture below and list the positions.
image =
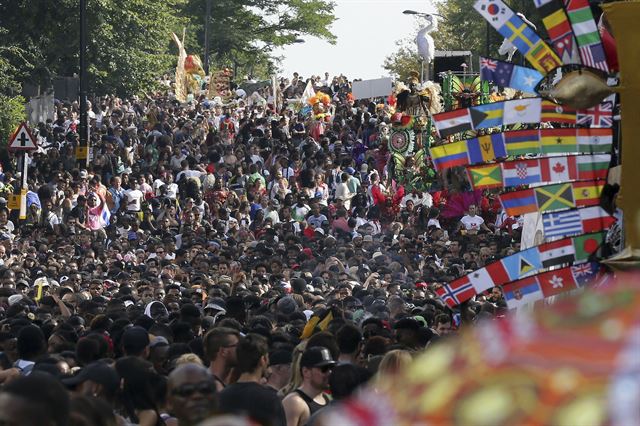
(561, 224)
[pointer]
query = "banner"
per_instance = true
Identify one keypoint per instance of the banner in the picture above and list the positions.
(539, 171)
(568, 251)
(553, 197)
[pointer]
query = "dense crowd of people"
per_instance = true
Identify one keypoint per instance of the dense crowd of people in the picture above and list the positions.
(216, 260)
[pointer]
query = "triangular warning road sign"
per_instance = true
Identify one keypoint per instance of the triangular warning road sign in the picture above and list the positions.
(22, 139)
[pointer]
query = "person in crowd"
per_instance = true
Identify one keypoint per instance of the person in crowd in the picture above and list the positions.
(212, 249)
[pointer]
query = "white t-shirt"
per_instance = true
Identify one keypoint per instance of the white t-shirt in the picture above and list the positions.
(472, 223)
(134, 200)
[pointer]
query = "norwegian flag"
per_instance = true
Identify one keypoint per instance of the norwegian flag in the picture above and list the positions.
(455, 293)
(489, 64)
(600, 115)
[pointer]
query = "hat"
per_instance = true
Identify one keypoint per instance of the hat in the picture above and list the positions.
(368, 239)
(317, 356)
(350, 170)
(364, 167)
(280, 357)
(13, 299)
(287, 305)
(98, 372)
(159, 341)
(83, 174)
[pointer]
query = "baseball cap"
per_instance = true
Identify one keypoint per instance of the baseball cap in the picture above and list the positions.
(317, 356)
(97, 372)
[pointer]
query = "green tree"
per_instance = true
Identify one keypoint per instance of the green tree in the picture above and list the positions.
(12, 110)
(404, 60)
(128, 41)
(244, 33)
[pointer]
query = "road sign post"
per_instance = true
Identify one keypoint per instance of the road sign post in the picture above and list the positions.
(21, 142)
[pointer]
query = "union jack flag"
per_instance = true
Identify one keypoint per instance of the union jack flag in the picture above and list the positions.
(600, 115)
(489, 64)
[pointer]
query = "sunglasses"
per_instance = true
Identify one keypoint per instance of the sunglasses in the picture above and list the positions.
(203, 388)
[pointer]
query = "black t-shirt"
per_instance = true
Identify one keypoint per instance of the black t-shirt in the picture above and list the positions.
(261, 404)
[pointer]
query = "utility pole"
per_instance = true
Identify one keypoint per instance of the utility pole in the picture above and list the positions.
(207, 18)
(84, 120)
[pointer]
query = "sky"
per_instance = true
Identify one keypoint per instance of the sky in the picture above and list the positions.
(367, 32)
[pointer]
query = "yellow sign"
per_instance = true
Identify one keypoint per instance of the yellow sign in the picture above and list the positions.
(14, 201)
(82, 152)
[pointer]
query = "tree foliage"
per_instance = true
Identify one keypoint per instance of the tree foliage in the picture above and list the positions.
(404, 60)
(129, 43)
(12, 110)
(244, 33)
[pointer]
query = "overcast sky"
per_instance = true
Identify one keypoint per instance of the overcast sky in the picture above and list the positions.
(367, 31)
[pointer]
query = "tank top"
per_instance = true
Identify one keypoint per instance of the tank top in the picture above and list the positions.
(313, 406)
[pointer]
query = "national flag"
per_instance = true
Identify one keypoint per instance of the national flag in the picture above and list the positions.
(522, 142)
(577, 221)
(525, 79)
(496, 71)
(557, 252)
(587, 193)
(483, 177)
(449, 155)
(519, 202)
(496, 12)
(520, 172)
(595, 166)
(558, 169)
(594, 56)
(594, 140)
(450, 122)
(105, 216)
(594, 219)
(486, 148)
(521, 35)
(490, 276)
(559, 30)
(584, 273)
(543, 58)
(600, 115)
(561, 224)
(586, 33)
(588, 245)
(522, 263)
(456, 292)
(554, 197)
(556, 282)
(522, 111)
(554, 113)
(558, 140)
(506, 74)
(487, 115)
(522, 292)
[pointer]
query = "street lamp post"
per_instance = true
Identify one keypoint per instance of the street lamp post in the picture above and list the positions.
(84, 120)
(207, 18)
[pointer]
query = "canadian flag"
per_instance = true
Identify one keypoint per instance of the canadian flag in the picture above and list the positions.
(558, 169)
